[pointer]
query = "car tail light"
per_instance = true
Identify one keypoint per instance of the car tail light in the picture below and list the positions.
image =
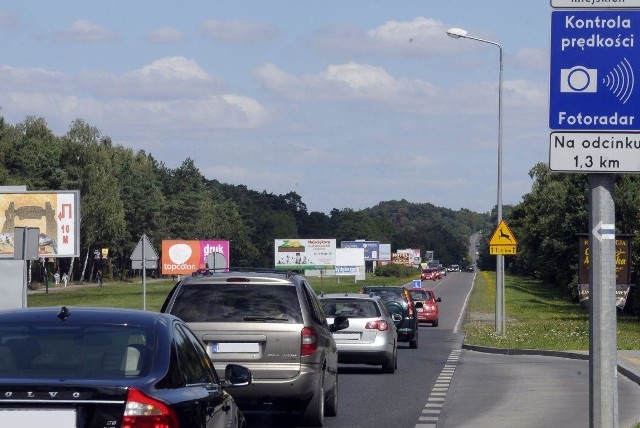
(377, 325)
(308, 342)
(142, 411)
(409, 304)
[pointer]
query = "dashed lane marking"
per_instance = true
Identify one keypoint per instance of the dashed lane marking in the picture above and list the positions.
(431, 412)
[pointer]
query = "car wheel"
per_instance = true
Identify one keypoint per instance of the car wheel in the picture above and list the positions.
(331, 406)
(313, 414)
(435, 323)
(413, 344)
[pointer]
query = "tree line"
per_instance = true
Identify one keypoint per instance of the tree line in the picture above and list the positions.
(125, 194)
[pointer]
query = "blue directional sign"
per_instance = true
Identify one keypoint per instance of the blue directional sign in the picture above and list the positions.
(594, 80)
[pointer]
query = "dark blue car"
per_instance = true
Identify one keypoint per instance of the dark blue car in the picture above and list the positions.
(105, 367)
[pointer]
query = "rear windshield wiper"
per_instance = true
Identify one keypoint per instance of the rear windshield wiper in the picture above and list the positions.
(254, 318)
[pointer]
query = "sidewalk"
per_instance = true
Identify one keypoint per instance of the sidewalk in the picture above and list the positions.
(628, 361)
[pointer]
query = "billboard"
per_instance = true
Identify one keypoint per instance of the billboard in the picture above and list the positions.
(350, 261)
(55, 213)
(299, 254)
(371, 248)
(181, 257)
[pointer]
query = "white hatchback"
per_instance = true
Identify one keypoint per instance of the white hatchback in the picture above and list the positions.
(371, 337)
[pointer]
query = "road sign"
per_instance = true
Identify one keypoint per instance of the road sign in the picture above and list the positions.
(596, 4)
(144, 252)
(614, 152)
(604, 231)
(595, 65)
(502, 241)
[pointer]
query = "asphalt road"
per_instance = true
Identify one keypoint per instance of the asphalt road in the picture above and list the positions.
(440, 385)
(369, 398)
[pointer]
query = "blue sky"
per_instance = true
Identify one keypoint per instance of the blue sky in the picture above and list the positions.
(348, 103)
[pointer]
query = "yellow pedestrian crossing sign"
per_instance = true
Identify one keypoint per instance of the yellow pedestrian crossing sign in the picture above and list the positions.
(502, 241)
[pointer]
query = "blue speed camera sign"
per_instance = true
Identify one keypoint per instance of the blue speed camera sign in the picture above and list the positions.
(595, 70)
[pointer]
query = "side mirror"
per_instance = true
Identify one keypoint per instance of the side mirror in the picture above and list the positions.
(438, 299)
(236, 375)
(339, 323)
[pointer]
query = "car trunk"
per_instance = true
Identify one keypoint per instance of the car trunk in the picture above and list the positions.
(58, 404)
(270, 350)
(356, 332)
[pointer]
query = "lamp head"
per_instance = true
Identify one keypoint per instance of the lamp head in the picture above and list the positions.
(456, 33)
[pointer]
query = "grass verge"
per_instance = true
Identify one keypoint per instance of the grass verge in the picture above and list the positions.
(537, 316)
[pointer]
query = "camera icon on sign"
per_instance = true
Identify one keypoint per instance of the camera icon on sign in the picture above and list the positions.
(578, 79)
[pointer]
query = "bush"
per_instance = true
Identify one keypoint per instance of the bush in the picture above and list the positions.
(396, 270)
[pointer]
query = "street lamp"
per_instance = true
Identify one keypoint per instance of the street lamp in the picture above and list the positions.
(459, 33)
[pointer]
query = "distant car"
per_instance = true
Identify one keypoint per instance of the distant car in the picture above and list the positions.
(398, 300)
(430, 311)
(430, 275)
(270, 321)
(105, 367)
(371, 337)
(442, 270)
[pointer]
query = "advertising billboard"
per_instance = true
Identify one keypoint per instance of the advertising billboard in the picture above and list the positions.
(300, 254)
(371, 248)
(181, 257)
(55, 213)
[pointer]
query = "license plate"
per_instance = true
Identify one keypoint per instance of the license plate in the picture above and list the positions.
(347, 336)
(219, 347)
(38, 418)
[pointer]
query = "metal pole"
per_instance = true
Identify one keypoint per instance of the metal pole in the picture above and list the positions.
(500, 324)
(603, 387)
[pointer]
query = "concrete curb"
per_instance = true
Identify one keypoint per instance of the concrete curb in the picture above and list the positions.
(631, 375)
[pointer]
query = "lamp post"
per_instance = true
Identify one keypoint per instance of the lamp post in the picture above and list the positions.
(458, 33)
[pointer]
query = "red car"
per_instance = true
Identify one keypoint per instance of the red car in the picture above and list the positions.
(430, 311)
(430, 275)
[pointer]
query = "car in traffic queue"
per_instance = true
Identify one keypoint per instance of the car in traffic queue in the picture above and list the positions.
(371, 337)
(270, 321)
(105, 367)
(430, 310)
(430, 274)
(398, 300)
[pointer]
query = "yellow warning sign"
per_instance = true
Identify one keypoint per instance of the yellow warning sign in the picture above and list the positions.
(502, 241)
(502, 235)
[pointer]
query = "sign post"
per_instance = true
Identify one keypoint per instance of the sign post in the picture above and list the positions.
(142, 254)
(594, 115)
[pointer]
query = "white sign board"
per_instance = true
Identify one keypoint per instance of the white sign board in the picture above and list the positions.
(350, 261)
(594, 152)
(300, 254)
(595, 4)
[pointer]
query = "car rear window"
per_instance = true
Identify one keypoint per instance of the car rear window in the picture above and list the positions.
(387, 294)
(237, 303)
(350, 308)
(420, 295)
(75, 351)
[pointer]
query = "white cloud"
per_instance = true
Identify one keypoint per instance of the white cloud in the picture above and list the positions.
(83, 30)
(164, 35)
(420, 37)
(536, 60)
(349, 81)
(237, 31)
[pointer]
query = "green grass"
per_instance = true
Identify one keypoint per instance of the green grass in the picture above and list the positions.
(129, 295)
(537, 316)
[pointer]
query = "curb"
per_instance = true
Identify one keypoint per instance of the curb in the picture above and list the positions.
(634, 377)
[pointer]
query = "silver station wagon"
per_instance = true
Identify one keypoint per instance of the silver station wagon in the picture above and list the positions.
(371, 337)
(272, 323)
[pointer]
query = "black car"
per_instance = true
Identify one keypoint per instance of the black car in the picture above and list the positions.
(106, 367)
(399, 301)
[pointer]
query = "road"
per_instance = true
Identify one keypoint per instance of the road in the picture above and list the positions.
(441, 385)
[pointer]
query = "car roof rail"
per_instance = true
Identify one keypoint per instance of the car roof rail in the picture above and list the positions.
(211, 271)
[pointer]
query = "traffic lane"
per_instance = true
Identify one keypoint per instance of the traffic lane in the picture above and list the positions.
(490, 390)
(369, 398)
(453, 290)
